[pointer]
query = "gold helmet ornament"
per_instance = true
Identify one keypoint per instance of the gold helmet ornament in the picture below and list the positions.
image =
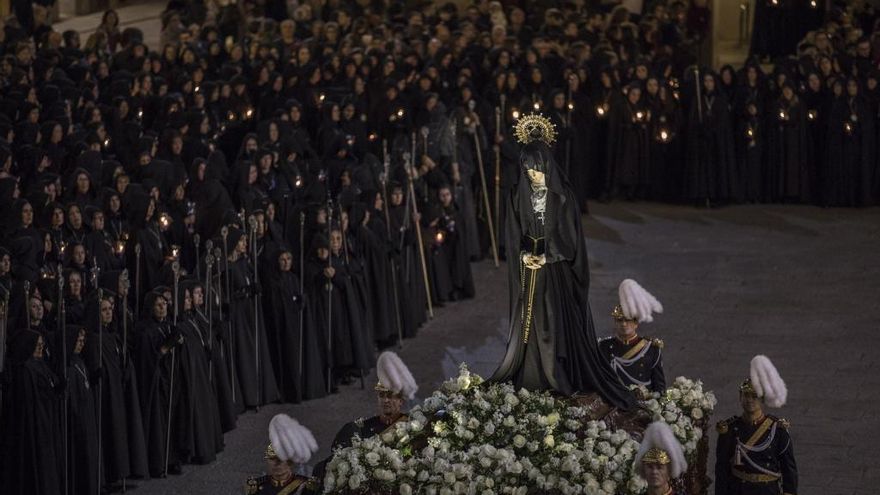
(270, 452)
(659, 446)
(656, 456)
(534, 127)
(747, 388)
(617, 313)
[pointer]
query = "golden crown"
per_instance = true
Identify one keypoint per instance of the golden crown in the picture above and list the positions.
(525, 128)
(656, 456)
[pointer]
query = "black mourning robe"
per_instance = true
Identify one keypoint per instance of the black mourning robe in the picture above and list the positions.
(31, 448)
(438, 260)
(219, 370)
(413, 299)
(374, 255)
(82, 426)
(248, 334)
(124, 447)
(454, 250)
(298, 354)
(562, 353)
(154, 372)
(846, 175)
(628, 155)
(710, 163)
(351, 349)
(199, 409)
(786, 177)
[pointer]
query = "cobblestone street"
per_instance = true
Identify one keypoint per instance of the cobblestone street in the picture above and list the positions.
(799, 284)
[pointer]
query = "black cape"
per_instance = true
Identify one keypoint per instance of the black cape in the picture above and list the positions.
(563, 339)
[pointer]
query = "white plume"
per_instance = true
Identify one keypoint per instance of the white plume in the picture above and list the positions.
(394, 375)
(637, 303)
(767, 382)
(291, 440)
(659, 435)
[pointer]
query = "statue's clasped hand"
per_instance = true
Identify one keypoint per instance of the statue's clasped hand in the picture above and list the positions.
(533, 262)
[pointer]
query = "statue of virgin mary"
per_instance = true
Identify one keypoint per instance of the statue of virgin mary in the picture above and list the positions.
(552, 341)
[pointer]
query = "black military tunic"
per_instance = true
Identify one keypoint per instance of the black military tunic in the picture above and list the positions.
(363, 428)
(636, 362)
(755, 459)
(296, 485)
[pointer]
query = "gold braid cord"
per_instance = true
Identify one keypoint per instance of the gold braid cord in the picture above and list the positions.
(529, 300)
(524, 126)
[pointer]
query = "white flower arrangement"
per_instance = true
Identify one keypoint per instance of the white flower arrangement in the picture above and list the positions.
(493, 439)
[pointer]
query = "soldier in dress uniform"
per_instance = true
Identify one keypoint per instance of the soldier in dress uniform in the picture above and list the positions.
(291, 445)
(396, 385)
(637, 360)
(755, 455)
(660, 459)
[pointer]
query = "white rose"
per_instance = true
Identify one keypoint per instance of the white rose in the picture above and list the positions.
(609, 486)
(549, 441)
(405, 489)
(449, 477)
(519, 441)
(696, 413)
(372, 458)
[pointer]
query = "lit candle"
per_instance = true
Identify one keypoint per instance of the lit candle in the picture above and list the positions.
(515, 114)
(537, 106)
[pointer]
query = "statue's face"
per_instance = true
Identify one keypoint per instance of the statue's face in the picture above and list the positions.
(537, 178)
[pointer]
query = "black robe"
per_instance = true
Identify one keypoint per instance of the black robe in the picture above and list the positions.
(31, 448)
(154, 372)
(219, 371)
(562, 353)
(710, 163)
(351, 350)
(786, 176)
(124, 447)
(374, 255)
(248, 333)
(628, 155)
(454, 249)
(82, 427)
(294, 338)
(847, 172)
(413, 299)
(199, 409)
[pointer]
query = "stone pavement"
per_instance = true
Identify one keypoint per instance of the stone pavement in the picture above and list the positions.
(799, 284)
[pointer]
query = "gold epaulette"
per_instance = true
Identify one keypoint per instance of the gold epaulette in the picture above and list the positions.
(252, 486)
(723, 427)
(657, 343)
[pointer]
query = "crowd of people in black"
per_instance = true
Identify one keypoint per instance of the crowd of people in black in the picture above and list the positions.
(248, 214)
